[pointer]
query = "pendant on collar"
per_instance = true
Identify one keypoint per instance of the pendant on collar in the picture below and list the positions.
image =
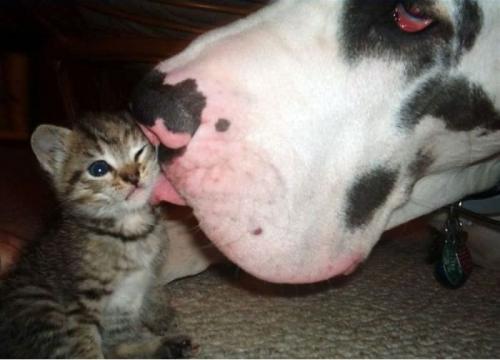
(454, 263)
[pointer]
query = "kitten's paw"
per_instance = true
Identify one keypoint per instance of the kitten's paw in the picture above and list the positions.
(162, 321)
(179, 347)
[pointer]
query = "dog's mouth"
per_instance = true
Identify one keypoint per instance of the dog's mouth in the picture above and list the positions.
(163, 190)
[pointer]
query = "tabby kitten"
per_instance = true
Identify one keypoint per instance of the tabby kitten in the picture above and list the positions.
(87, 289)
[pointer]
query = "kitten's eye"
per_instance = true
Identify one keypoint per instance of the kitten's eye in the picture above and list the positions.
(137, 154)
(99, 168)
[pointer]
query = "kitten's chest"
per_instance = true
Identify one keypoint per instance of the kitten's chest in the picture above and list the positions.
(138, 255)
(134, 273)
(138, 244)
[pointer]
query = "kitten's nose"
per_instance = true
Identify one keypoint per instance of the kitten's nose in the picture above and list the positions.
(131, 177)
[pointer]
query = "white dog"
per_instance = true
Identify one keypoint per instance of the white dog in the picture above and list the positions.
(301, 133)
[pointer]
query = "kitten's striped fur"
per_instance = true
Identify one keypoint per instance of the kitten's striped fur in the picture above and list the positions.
(87, 288)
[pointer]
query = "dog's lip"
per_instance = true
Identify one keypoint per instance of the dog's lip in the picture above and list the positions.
(356, 261)
(164, 191)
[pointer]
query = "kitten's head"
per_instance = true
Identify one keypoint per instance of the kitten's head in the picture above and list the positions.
(104, 166)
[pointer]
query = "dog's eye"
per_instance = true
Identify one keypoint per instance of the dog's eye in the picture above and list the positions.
(411, 19)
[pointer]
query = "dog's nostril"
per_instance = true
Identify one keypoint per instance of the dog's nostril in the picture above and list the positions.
(222, 125)
(177, 106)
(257, 231)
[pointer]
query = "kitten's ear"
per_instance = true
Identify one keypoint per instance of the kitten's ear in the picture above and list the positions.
(50, 143)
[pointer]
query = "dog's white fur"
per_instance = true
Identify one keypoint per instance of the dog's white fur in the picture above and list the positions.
(306, 124)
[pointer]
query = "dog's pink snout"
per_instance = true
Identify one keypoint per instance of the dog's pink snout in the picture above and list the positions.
(164, 191)
(169, 114)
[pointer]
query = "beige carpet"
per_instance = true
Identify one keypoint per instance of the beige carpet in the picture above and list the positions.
(392, 307)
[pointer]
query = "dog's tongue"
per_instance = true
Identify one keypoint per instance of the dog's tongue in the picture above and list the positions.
(164, 191)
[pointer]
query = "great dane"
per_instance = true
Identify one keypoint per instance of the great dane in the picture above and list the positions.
(302, 132)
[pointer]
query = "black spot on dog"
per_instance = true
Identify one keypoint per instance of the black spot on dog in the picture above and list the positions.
(369, 30)
(257, 231)
(418, 166)
(222, 125)
(469, 24)
(462, 105)
(179, 105)
(367, 194)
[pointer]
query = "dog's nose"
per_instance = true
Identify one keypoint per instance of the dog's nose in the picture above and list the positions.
(169, 114)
